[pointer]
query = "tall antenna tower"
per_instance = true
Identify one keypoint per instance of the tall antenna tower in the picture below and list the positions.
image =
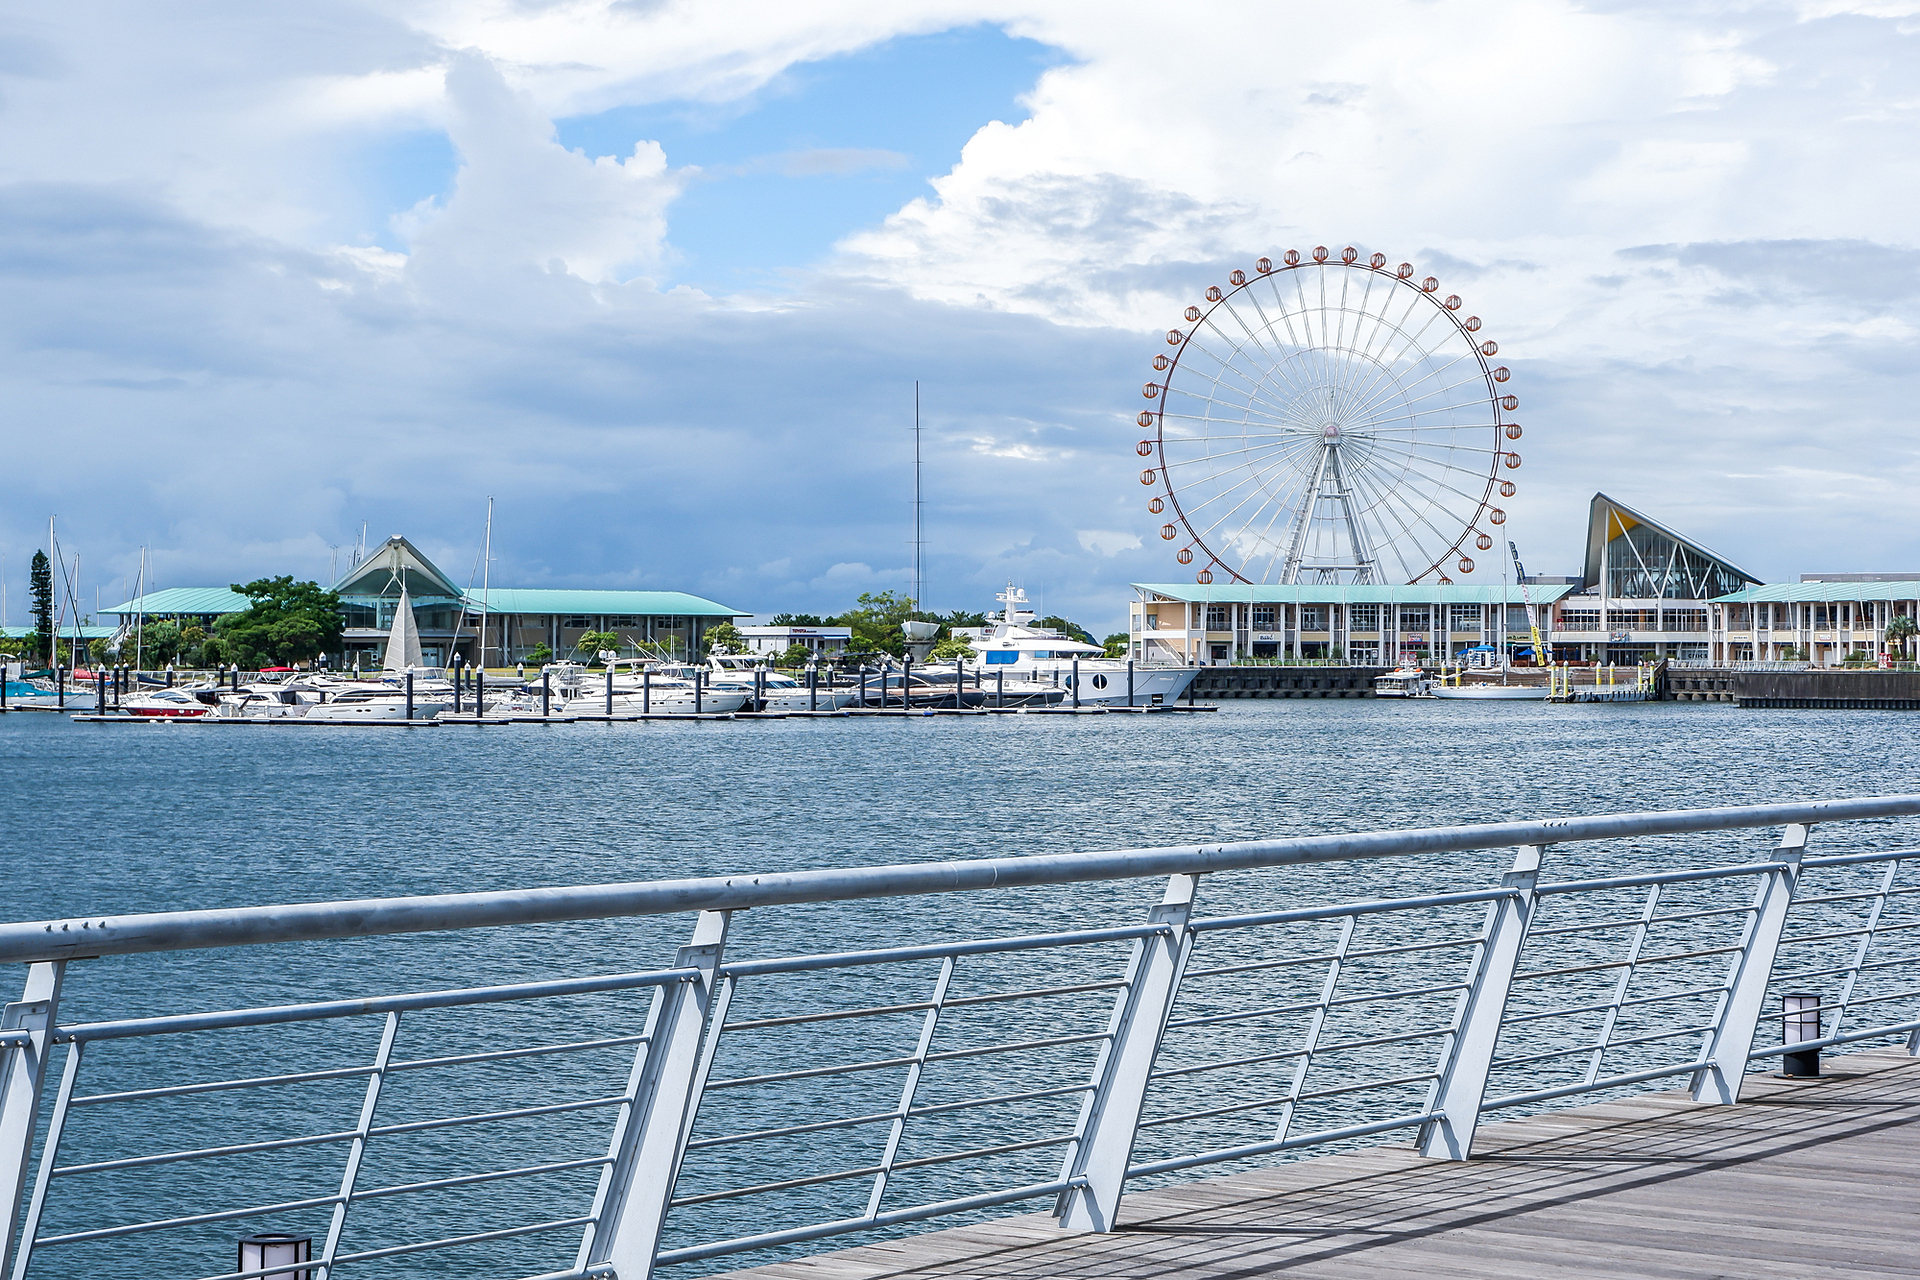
(919, 540)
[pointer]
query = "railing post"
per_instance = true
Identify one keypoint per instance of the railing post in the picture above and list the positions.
(1110, 1117)
(22, 1071)
(1463, 1080)
(650, 1137)
(1738, 1016)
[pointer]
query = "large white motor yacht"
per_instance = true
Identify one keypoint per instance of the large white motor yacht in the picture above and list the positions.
(1011, 642)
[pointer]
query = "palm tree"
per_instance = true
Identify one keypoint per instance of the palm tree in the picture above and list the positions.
(1900, 632)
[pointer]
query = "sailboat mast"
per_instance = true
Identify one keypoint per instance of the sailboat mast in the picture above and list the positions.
(140, 610)
(919, 541)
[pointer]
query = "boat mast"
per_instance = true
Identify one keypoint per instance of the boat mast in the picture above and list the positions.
(140, 610)
(919, 542)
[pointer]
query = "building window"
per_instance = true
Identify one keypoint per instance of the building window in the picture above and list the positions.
(1685, 620)
(1579, 619)
(1633, 619)
(1414, 619)
(1216, 617)
(1466, 617)
(1363, 617)
(1313, 618)
(1153, 622)
(1263, 617)
(576, 624)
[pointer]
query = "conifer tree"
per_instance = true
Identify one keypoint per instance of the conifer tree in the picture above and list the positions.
(40, 580)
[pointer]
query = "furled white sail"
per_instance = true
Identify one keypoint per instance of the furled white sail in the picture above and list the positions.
(403, 642)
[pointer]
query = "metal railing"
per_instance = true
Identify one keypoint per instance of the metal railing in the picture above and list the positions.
(618, 1124)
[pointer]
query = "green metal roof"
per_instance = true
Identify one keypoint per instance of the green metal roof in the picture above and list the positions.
(67, 632)
(591, 603)
(190, 600)
(1824, 591)
(1347, 593)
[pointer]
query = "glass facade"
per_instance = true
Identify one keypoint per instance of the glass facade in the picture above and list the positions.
(1645, 564)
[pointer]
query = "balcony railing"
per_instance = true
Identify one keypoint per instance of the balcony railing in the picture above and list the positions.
(623, 1123)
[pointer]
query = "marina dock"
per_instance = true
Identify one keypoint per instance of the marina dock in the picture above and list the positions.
(1800, 1178)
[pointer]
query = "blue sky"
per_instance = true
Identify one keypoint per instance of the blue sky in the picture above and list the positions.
(660, 278)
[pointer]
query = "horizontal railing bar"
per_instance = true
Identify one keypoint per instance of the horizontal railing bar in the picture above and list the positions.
(917, 1213)
(1278, 1099)
(877, 1117)
(1281, 1054)
(174, 1024)
(471, 1179)
(880, 1064)
(1621, 922)
(1858, 932)
(788, 1184)
(1616, 1043)
(921, 1006)
(236, 926)
(215, 1086)
(1858, 896)
(1798, 975)
(1373, 907)
(1656, 877)
(1849, 859)
(488, 1117)
(1322, 957)
(508, 1055)
(1686, 993)
(192, 1220)
(1286, 1144)
(200, 1153)
(1640, 963)
(1827, 1042)
(449, 1242)
(1403, 993)
(1611, 1082)
(937, 951)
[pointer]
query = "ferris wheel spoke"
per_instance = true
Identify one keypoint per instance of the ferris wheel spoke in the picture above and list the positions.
(1421, 515)
(1449, 389)
(1252, 335)
(1377, 503)
(1411, 342)
(1246, 451)
(1277, 433)
(1390, 329)
(1412, 421)
(1392, 503)
(1237, 410)
(1440, 479)
(1256, 492)
(1357, 359)
(1254, 385)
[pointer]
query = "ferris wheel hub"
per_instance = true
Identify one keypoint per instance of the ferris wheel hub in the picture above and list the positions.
(1330, 432)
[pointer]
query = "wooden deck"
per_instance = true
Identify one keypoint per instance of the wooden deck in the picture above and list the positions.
(1804, 1180)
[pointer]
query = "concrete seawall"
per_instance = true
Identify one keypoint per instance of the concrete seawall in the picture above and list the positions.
(1219, 683)
(1847, 690)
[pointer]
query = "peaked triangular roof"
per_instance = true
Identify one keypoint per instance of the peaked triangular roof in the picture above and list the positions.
(394, 565)
(1608, 519)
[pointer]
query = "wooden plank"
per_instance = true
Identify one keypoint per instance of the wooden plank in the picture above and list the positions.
(1800, 1179)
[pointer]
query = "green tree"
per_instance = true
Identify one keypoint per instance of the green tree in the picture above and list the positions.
(724, 637)
(797, 655)
(594, 641)
(954, 647)
(160, 643)
(287, 622)
(1117, 644)
(1068, 629)
(1900, 632)
(538, 656)
(40, 588)
(797, 620)
(961, 618)
(876, 623)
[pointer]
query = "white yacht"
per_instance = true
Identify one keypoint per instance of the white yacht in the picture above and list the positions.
(1012, 643)
(777, 690)
(640, 687)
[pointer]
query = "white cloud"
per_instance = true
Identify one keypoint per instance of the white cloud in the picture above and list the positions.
(1107, 542)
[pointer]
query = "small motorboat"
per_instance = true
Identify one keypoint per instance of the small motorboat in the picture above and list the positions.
(1407, 682)
(166, 704)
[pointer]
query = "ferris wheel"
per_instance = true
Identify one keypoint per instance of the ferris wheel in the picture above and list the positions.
(1328, 419)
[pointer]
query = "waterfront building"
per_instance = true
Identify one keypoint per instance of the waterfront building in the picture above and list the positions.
(1645, 593)
(1822, 618)
(823, 642)
(1364, 624)
(516, 620)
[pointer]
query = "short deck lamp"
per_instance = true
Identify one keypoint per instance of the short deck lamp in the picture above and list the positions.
(1800, 1023)
(262, 1251)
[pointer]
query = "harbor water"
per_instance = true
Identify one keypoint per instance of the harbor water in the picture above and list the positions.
(114, 819)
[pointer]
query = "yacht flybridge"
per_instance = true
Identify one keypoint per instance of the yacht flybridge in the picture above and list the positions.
(1013, 642)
